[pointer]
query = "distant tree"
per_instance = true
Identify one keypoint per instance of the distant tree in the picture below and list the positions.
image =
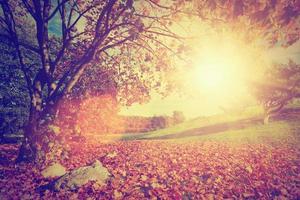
(280, 86)
(158, 122)
(178, 117)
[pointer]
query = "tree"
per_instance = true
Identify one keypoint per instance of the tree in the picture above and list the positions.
(123, 38)
(178, 117)
(14, 97)
(274, 21)
(281, 85)
(158, 122)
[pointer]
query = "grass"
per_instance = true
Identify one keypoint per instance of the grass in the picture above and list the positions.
(273, 132)
(287, 129)
(250, 112)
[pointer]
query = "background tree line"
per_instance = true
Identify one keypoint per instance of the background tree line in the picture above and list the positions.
(137, 124)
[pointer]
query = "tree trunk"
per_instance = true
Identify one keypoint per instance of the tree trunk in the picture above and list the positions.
(271, 109)
(266, 119)
(27, 151)
(41, 145)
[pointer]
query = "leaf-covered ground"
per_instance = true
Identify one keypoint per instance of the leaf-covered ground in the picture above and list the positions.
(162, 169)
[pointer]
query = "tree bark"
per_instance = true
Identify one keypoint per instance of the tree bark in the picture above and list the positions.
(41, 145)
(266, 119)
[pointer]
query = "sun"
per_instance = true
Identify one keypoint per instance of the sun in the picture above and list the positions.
(211, 76)
(222, 66)
(220, 76)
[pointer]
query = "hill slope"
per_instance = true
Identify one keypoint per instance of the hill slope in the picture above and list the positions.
(237, 127)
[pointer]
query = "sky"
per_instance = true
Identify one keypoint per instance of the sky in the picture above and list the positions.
(196, 105)
(200, 106)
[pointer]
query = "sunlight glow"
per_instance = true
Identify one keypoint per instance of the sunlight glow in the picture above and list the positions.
(222, 66)
(211, 76)
(217, 72)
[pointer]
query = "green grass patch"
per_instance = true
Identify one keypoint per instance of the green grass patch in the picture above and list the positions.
(273, 132)
(250, 112)
(277, 131)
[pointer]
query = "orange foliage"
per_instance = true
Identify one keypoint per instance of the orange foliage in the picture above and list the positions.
(167, 170)
(98, 115)
(92, 114)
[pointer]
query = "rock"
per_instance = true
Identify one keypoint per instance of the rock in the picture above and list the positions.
(54, 170)
(78, 177)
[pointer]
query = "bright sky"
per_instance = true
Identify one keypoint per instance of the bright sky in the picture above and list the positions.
(203, 104)
(208, 75)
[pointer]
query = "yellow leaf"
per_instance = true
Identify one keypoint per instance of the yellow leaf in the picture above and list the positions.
(117, 194)
(144, 178)
(156, 185)
(249, 169)
(210, 196)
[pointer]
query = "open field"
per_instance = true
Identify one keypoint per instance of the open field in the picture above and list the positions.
(246, 126)
(254, 161)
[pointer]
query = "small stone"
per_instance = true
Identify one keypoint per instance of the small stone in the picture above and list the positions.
(79, 177)
(54, 170)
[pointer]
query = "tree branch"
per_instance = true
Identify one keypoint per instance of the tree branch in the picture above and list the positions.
(57, 8)
(105, 10)
(158, 5)
(29, 8)
(78, 18)
(71, 14)
(65, 45)
(115, 44)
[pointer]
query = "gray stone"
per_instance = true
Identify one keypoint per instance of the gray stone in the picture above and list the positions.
(54, 170)
(78, 177)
